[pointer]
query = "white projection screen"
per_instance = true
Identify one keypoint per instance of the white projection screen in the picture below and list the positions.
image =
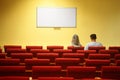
(56, 17)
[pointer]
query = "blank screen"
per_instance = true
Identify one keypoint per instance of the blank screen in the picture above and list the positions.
(56, 17)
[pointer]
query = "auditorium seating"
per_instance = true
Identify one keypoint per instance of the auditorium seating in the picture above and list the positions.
(2, 55)
(61, 51)
(50, 56)
(74, 55)
(51, 48)
(21, 56)
(97, 63)
(64, 62)
(112, 72)
(86, 52)
(117, 56)
(9, 62)
(46, 71)
(57, 63)
(114, 48)
(99, 56)
(117, 62)
(15, 50)
(56, 78)
(0, 50)
(14, 78)
(36, 62)
(33, 47)
(79, 72)
(74, 49)
(11, 46)
(97, 48)
(111, 52)
(35, 51)
(12, 70)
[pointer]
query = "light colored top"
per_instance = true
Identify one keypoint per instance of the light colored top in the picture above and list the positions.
(92, 44)
(78, 45)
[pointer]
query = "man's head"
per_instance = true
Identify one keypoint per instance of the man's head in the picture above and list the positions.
(93, 37)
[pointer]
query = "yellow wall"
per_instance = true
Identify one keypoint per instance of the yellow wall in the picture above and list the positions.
(18, 22)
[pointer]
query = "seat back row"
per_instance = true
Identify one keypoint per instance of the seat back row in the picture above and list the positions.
(78, 72)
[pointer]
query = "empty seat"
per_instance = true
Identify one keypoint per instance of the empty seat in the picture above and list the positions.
(0, 50)
(14, 78)
(117, 62)
(97, 63)
(99, 56)
(9, 62)
(79, 72)
(56, 78)
(74, 55)
(15, 50)
(61, 51)
(33, 47)
(114, 48)
(64, 62)
(35, 51)
(86, 52)
(112, 72)
(117, 56)
(12, 70)
(11, 46)
(46, 71)
(111, 52)
(97, 48)
(74, 49)
(36, 62)
(22, 56)
(2, 55)
(51, 48)
(50, 56)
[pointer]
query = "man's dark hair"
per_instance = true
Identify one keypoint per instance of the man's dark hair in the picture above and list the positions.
(93, 36)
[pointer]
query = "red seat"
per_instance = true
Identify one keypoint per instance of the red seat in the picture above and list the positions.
(117, 56)
(33, 47)
(79, 72)
(46, 71)
(56, 78)
(97, 48)
(74, 55)
(36, 62)
(14, 78)
(99, 56)
(51, 48)
(15, 50)
(12, 70)
(2, 55)
(61, 51)
(86, 52)
(97, 63)
(0, 50)
(111, 52)
(50, 56)
(22, 56)
(11, 46)
(114, 48)
(112, 72)
(117, 62)
(9, 62)
(35, 51)
(74, 49)
(64, 62)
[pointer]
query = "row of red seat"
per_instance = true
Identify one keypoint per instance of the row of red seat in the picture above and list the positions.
(51, 48)
(78, 72)
(64, 62)
(53, 56)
